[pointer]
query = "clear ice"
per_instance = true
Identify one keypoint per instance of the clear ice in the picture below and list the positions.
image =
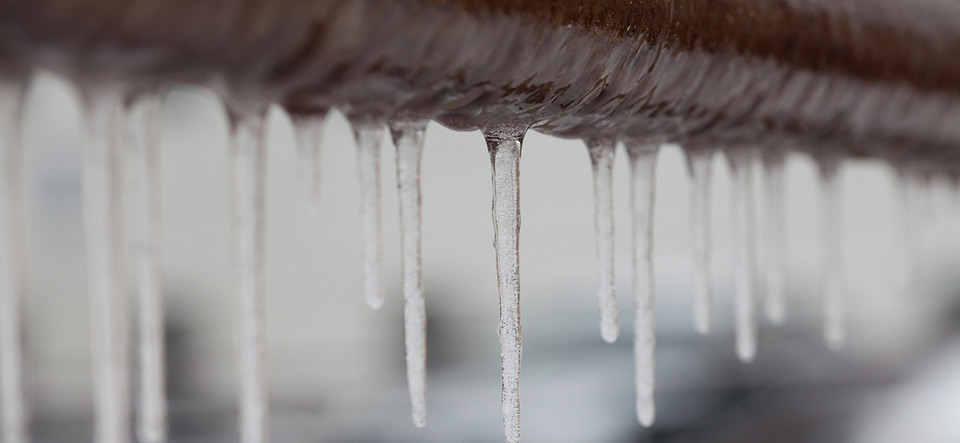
(699, 166)
(248, 155)
(643, 159)
(13, 272)
(745, 254)
(831, 261)
(368, 134)
(408, 138)
(602, 153)
(309, 129)
(143, 161)
(774, 256)
(103, 226)
(505, 160)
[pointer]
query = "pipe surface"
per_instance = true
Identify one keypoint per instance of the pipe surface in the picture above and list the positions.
(862, 77)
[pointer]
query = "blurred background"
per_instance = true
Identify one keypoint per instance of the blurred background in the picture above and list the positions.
(336, 368)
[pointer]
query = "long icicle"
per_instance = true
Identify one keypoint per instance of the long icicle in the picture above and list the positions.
(248, 152)
(143, 154)
(505, 161)
(368, 134)
(103, 224)
(602, 153)
(643, 159)
(13, 273)
(699, 166)
(773, 240)
(745, 254)
(309, 129)
(831, 261)
(408, 138)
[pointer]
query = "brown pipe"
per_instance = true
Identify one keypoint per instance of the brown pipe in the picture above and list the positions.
(865, 77)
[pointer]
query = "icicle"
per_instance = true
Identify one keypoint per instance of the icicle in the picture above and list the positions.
(911, 220)
(773, 230)
(642, 161)
(103, 224)
(408, 138)
(745, 259)
(602, 153)
(143, 155)
(831, 262)
(699, 167)
(368, 134)
(248, 152)
(309, 128)
(505, 161)
(13, 278)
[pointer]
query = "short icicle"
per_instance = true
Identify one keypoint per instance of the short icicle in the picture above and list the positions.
(103, 226)
(248, 155)
(408, 139)
(773, 237)
(309, 129)
(13, 272)
(643, 157)
(831, 261)
(143, 155)
(504, 147)
(602, 153)
(745, 254)
(368, 134)
(699, 166)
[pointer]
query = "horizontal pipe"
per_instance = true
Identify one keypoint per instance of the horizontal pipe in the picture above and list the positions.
(857, 77)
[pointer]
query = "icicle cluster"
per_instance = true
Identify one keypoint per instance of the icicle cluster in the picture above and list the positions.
(111, 112)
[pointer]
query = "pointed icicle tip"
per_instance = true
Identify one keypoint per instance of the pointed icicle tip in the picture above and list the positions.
(602, 153)
(408, 139)
(504, 145)
(368, 133)
(643, 158)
